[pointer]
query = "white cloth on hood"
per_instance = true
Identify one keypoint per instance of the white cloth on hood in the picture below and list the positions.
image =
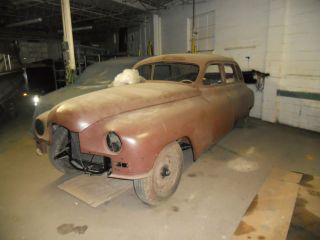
(128, 76)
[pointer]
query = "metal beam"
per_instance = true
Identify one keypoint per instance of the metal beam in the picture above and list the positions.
(136, 4)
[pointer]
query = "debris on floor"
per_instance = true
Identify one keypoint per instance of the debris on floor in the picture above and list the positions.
(95, 190)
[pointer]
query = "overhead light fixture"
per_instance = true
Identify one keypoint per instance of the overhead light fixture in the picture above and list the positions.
(27, 22)
(78, 29)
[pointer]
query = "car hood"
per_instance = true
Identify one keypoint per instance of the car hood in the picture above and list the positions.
(78, 113)
(68, 92)
(49, 100)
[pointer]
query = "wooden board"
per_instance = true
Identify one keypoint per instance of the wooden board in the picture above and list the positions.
(285, 176)
(95, 190)
(269, 215)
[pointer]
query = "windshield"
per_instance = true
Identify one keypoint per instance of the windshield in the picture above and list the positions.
(178, 72)
(105, 72)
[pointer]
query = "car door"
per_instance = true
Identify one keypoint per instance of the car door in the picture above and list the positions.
(236, 90)
(213, 89)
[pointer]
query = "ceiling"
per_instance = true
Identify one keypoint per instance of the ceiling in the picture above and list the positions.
(46, 21)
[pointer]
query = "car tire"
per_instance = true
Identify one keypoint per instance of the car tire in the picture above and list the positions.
(60, 140)
(164, 178)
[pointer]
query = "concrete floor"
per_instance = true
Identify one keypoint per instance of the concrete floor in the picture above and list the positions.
(213, 194)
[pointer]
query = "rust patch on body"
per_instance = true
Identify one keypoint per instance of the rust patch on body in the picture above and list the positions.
(64, 229)
(244, 228)
(252, 206)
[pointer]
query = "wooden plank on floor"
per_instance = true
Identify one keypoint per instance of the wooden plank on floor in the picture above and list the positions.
(269, 215)
(95, 190)
(285, 176)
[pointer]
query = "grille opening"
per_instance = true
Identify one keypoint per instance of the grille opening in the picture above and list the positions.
(68, 153)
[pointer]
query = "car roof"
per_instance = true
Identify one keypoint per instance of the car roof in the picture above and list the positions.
(197, 58)
(106, 70)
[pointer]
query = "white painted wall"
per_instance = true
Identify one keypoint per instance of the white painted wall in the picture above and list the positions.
(281, 37)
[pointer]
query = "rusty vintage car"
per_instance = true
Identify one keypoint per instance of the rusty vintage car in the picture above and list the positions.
(139, 131)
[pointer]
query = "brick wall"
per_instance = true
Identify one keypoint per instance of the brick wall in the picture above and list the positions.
(37, 51)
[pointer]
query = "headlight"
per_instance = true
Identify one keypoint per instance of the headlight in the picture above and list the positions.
(113, 142)
(39, 127)
(36, 100)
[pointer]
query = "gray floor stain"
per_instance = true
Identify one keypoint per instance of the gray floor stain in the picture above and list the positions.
(175, 208)
(67, 228)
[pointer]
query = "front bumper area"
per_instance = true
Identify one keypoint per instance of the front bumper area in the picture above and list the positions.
(89, 162)
(41, 146)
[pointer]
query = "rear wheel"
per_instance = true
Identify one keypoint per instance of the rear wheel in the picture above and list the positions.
(59, 150)
(164, 178)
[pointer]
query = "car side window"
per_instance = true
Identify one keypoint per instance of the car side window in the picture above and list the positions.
(230, 74)
(162, 71)
(145, 71)
(178, 72)
(212, 75)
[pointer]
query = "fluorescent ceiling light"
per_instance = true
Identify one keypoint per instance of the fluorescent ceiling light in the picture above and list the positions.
(22, 23)
(78, 29)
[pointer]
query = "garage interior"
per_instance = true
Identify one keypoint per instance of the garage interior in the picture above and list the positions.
(260, 181)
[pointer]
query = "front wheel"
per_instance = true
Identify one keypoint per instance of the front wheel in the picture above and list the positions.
(164, 178)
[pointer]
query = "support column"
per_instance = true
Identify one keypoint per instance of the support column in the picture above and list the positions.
(68, 37)
(274, 61)
(157, 40)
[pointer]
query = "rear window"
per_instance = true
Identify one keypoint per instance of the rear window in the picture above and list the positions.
(212, 75)
(230, 74)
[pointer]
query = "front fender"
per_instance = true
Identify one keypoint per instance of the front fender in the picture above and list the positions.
(145, 132)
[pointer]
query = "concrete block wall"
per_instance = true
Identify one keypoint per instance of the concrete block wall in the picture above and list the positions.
(37, 51)
(301, 65)
(281, 37)
(33, 51)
